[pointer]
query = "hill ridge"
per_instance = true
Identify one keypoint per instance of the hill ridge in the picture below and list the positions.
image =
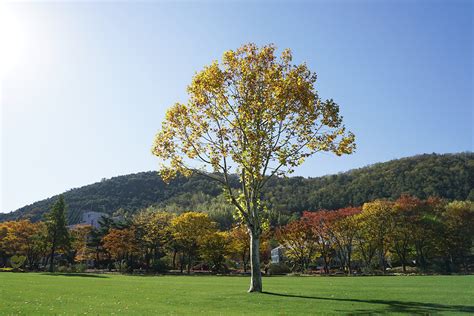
(446, 175)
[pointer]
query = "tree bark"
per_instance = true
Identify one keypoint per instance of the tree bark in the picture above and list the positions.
(244, 262)
(256, 274)
(174, 259)
(96, 263)
(349, 268)
(189, 264)
(51, 263)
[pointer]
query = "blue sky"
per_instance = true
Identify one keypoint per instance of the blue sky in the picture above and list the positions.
(85, 86)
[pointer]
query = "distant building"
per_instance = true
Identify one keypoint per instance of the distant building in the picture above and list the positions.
(278, 254)
(93, 218)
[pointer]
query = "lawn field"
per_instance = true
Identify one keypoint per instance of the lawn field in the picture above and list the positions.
(36, 293)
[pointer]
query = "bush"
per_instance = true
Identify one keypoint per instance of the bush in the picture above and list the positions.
(121, 266)
(63, 269)
(279, 268)
(408, 270)
(17, 261)
(159, 266)
(79, 268)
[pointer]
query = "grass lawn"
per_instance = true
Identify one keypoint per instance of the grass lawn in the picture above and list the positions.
(36, 293)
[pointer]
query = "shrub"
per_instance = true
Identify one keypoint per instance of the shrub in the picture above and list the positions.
(63, 269)
(408, 270)
(159, 266)
(17, 261)
(121, 266)
(279, 268)
(79, 268)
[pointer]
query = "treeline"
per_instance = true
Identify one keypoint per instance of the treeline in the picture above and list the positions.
(430, 235)
(448, 176)
(151, 241)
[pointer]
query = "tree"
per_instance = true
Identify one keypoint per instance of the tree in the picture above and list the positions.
(215, 247)
(377, 226)
(320, 224)
(458, 234)
(300, 244)
(23, 238)
(343, 231)
(58, 235)
(153, 232)
(404, 215)
(256, 115)
(240, 245)
(366, 241)
(188, 231)
(80, 235)
(95, 242)
(121, 244)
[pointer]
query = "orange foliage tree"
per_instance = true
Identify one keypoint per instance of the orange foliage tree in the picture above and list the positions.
(80, 235)
(23, 238)
(299, 242)
(121, 244)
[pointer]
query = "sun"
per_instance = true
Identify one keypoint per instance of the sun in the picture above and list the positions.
(13, 40)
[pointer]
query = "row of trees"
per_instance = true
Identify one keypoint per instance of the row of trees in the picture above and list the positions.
(427, 234)
(35, 243)
(157, 240)
(151, 240)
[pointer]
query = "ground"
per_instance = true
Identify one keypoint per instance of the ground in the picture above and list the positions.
(36, 293)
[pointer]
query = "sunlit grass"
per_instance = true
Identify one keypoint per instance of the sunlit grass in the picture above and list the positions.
(35, 293)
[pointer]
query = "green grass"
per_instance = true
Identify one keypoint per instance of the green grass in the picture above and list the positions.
(35, 293)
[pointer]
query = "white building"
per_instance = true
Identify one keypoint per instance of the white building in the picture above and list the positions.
(92, 218)
(278, 254)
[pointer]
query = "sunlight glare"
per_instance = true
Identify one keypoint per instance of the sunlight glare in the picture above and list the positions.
(12, 41)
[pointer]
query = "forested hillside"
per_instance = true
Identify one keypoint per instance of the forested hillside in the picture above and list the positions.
(448, 176)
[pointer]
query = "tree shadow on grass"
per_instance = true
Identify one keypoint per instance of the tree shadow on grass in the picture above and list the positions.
(83, 275)
(391, 306)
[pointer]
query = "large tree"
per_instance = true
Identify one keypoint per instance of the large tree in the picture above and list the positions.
(58, 235)
(254, 114)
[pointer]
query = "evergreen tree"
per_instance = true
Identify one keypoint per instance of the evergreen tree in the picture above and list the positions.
(58, 235)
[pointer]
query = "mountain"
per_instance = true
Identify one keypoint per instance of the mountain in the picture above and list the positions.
(448, 176)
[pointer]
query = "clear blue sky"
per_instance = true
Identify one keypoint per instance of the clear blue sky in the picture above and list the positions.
(88, 83)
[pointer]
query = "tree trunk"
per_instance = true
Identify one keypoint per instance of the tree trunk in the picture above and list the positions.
(51, 263)
(244, 262)
(256, 275)
(348, 263)
(96, 263)
(189, 264)
(174, 259)
(382, 263)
